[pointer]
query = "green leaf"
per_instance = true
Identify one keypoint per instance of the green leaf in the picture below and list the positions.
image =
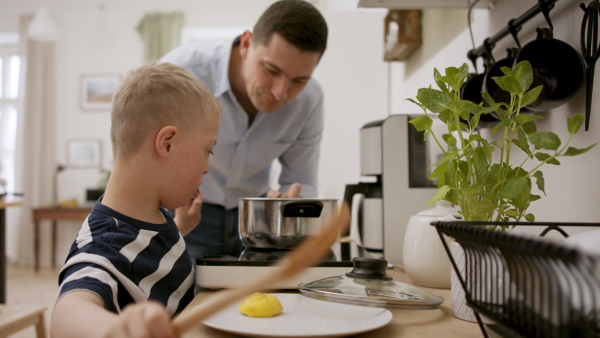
(440, 170)
(455, 77)
(521, 141)
(543, 157)
(524, 74)
(539, 181)
(575, 151)
(530, 217)
(490, 101)
(508, 83)
(513, 187)
(574, 123)
(439, 81)
(529, 127)
(435, 100)
(413, 101)
(530, 96)
(545, 140)
(422, 122)
(449, 139)
(526, 118)
(511, 212)
(446, 117)
(439, 195)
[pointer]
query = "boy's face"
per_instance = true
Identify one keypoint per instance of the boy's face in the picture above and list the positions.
(276, 73)
(192, 160)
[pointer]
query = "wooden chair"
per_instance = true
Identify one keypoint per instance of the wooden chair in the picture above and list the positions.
(14, 318)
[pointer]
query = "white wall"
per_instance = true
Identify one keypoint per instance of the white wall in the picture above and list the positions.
(352, 73)
(355, 79)
(573, 188)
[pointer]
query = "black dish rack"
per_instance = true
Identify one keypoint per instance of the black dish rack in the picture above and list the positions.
(527, 286)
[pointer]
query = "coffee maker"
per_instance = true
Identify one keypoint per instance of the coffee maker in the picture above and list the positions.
(394, 165)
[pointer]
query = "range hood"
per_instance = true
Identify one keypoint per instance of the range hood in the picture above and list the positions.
(423, 4)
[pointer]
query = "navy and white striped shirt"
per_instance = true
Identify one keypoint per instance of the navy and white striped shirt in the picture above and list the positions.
(124, 260)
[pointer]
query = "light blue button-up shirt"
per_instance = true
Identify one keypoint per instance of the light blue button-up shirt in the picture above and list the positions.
(244, 154)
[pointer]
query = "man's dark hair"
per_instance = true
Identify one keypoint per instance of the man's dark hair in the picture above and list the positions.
(297, 21)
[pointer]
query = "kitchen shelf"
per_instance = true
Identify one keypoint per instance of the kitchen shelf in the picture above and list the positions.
(423, 4)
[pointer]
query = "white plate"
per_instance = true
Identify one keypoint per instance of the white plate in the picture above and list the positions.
(302, 317)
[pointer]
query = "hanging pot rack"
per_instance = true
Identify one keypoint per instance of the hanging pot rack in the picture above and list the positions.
(513, 27)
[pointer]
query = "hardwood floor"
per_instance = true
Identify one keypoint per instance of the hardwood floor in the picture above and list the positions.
(24, 286)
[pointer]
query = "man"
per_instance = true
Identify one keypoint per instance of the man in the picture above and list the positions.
(271, 109)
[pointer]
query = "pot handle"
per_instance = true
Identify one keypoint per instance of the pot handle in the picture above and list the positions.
(302, 209)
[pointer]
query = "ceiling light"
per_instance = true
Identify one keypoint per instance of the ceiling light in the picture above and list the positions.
(42, 28)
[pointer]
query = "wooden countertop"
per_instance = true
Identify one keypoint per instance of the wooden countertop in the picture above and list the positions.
(405, 323)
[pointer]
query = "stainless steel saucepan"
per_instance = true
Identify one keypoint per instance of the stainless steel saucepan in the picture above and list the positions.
(282, 223)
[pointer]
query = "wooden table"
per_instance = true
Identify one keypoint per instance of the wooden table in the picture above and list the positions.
(405, 323)
(3, 206)
(54, 214)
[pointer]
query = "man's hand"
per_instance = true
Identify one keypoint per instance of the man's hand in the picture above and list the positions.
(188, 216)
(293, 192)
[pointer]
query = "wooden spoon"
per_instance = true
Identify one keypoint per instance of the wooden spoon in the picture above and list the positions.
(308, 253)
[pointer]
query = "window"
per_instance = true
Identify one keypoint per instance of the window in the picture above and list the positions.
(10, 64)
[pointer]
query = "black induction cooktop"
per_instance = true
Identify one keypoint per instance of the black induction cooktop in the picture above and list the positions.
(341, 255)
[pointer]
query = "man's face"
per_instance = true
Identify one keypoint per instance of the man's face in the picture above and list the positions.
(276, 73)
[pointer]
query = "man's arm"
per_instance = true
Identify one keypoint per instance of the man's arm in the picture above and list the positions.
(82, 314)
(300, 162)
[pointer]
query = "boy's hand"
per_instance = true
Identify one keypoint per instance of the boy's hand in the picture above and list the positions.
(188, 216)
(143, 320)
(82, 314)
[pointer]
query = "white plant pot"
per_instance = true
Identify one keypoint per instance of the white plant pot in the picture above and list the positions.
(424, 257)
(460, 309)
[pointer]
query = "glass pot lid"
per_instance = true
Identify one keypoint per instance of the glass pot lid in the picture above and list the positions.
(369, 285)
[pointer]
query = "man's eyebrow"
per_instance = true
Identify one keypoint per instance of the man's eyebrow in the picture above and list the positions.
(281, 71)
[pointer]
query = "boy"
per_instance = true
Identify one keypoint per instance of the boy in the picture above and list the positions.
(128, 270)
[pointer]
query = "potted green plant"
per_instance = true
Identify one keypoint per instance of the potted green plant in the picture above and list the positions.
(484, 185)
(487, 188)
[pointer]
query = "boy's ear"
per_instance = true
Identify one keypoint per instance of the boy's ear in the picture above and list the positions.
(164, 140)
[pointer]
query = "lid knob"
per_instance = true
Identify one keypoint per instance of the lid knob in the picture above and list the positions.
(369, 268)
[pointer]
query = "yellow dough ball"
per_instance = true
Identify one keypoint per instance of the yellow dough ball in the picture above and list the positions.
(261, 305)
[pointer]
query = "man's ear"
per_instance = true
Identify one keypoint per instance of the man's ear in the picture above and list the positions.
(164, 140)
(245, 43)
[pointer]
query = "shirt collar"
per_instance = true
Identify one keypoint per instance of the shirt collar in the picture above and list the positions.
(223, 84)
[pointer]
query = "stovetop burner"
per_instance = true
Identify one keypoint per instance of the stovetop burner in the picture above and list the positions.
(341, 254)
(223, 270)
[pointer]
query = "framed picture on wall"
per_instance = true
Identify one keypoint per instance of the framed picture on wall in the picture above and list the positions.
(84, 153)
(97, 91)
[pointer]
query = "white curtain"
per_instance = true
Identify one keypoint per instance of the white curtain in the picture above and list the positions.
(161, 32)
(35, 155)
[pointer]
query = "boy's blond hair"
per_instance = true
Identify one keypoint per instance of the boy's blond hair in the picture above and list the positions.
(153, 96)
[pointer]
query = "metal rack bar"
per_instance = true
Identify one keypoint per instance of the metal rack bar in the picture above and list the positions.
(512, 27)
